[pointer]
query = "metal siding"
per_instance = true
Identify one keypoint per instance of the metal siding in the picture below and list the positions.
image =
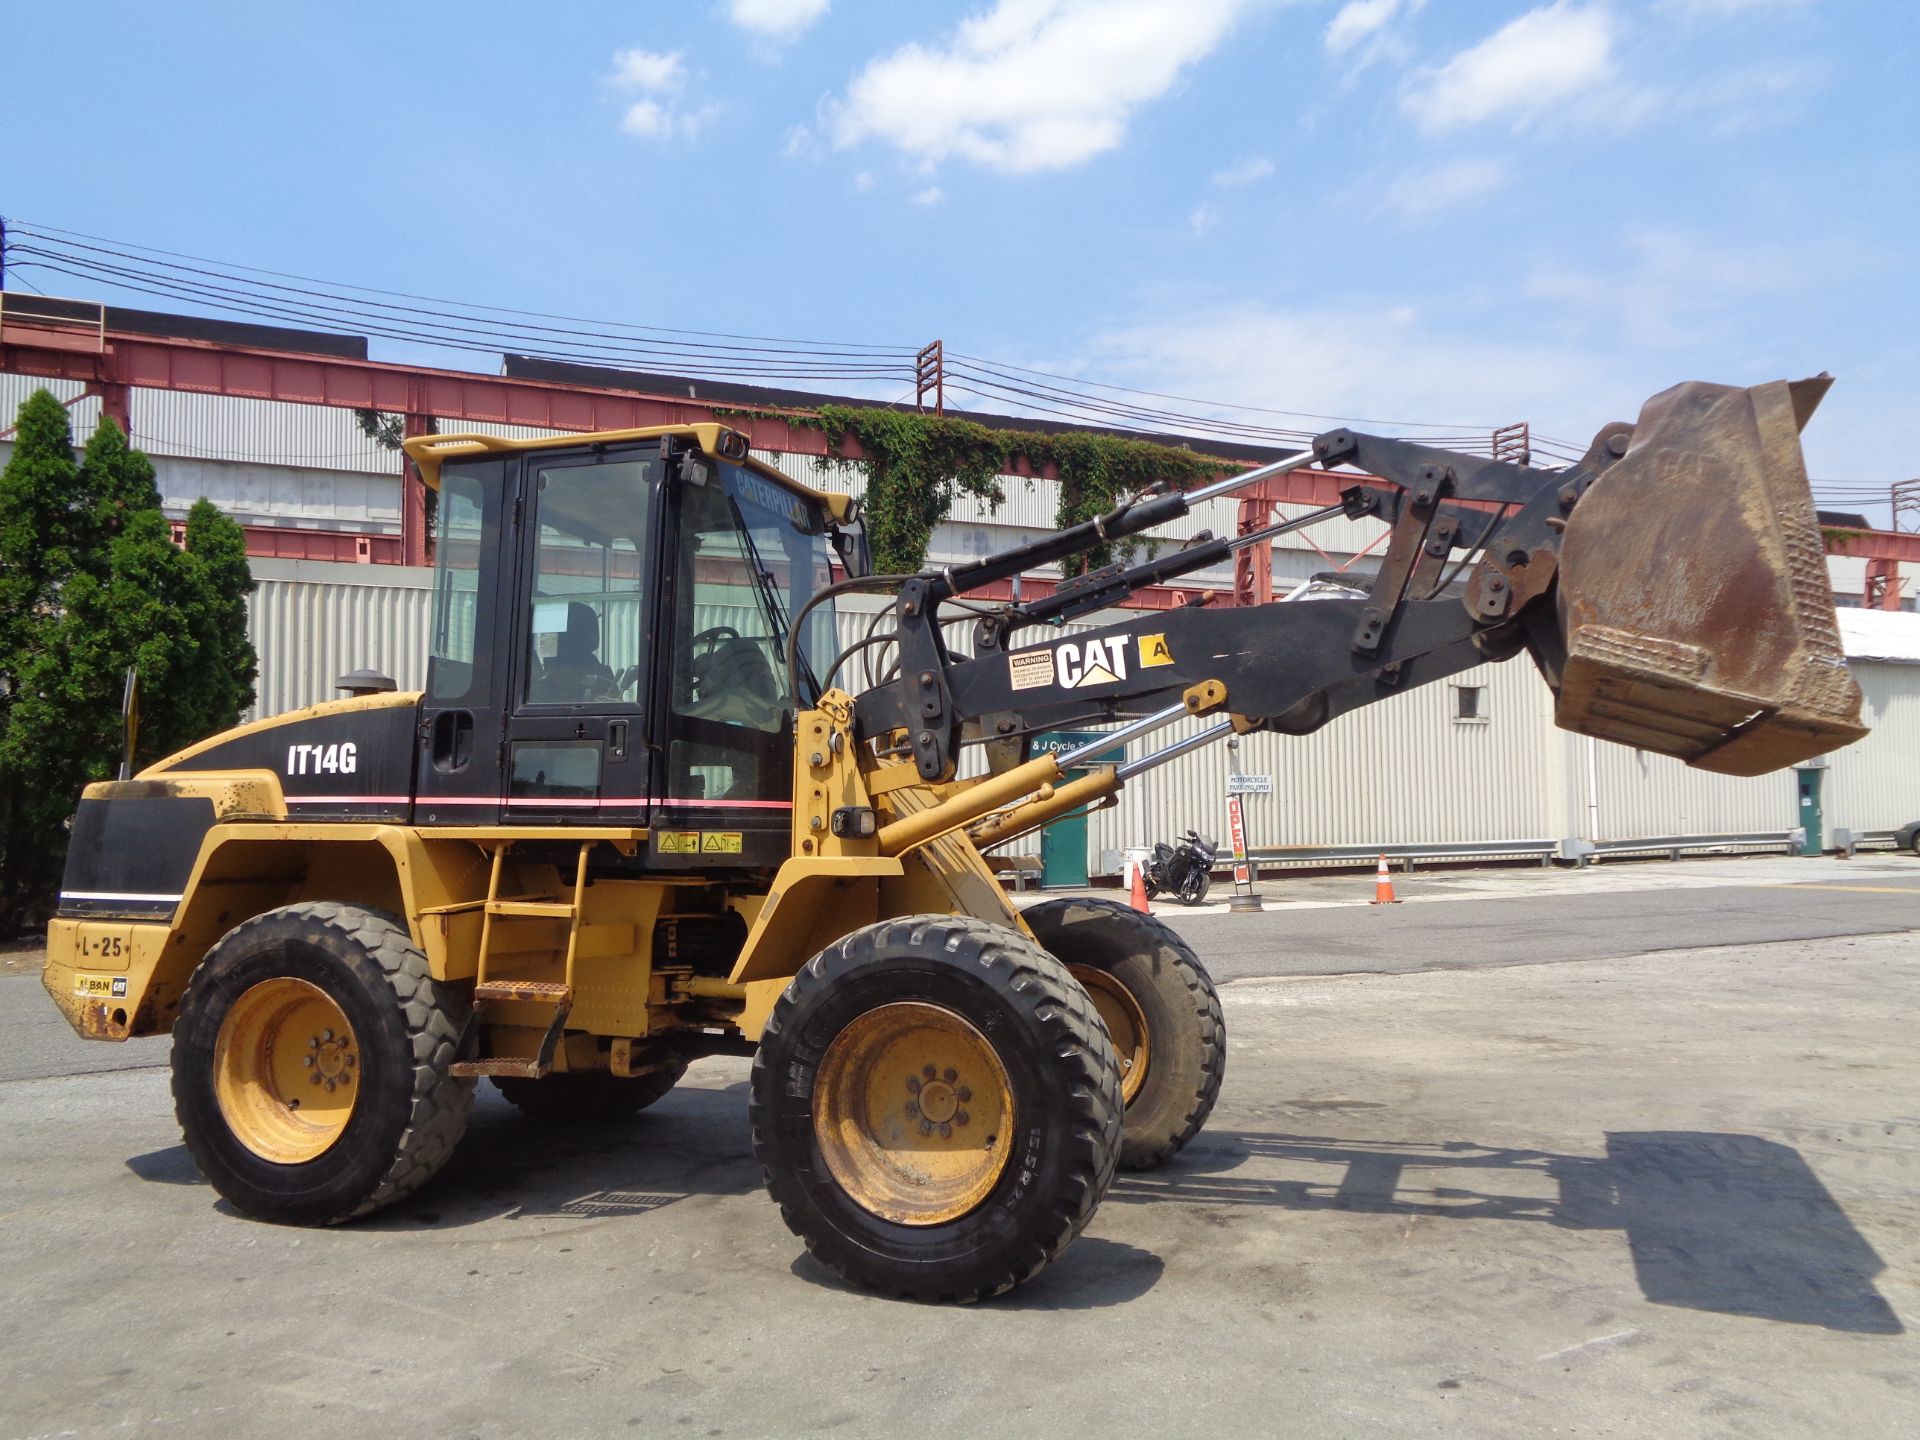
(310, 631)
(1400, 772)
(1874, 784)
(222, 427)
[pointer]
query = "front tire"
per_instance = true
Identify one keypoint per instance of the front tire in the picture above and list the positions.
(1159, 1005)
(310, 1065)
(936, 1107)
(1195, 884)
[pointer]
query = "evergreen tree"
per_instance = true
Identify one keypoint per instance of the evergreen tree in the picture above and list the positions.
(90, 584)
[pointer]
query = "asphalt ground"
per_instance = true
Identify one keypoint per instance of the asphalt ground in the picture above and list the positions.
(1570, 1174)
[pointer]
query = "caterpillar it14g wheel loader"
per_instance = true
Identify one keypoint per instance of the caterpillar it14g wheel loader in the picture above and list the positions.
(635, 817)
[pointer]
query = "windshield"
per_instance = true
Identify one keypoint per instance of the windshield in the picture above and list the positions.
(787, 554)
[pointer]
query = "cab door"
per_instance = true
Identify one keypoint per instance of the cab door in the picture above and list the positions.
(579, 639)
(457, 769)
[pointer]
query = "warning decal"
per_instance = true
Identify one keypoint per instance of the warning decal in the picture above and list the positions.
(677, 842)
(720, 842)
(1030, 669)
(1154, 651)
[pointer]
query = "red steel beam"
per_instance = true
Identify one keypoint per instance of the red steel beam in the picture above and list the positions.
(211, 368)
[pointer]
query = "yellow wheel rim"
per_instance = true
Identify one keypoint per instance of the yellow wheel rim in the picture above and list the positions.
(286, 1070)
(913, 1113)
(1126, 1025)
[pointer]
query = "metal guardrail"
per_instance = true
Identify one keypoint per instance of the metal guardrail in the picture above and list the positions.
(1848, 841)
(1674, 845)
(1542, 850)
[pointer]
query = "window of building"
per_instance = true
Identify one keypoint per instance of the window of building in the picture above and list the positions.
(1470, 702)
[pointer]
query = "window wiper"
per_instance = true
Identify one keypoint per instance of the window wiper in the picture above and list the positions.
(770, 595)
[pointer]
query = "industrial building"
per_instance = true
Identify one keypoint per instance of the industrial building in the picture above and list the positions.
(1473, 766)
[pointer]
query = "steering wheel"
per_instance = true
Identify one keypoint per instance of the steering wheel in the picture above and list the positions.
(716, 633)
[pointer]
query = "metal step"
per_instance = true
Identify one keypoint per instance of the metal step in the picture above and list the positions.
(511, 992)
(549, 992)
(546, 909)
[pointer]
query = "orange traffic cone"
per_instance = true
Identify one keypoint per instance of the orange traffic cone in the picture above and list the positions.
(1383, 886)
(1139, 897)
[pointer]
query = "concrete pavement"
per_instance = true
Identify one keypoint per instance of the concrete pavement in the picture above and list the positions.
(1666, 1193)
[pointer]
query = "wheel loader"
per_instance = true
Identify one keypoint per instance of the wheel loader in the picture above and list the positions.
(640, 814)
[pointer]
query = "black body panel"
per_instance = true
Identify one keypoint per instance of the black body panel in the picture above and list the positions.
(132, 853)
(353, 764)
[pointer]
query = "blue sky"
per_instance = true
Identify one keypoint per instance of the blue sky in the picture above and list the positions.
(1441, 212)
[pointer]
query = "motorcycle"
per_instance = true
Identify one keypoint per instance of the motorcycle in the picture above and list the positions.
(1183, 871)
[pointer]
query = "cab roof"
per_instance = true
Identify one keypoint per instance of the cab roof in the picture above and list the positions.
(429, 452)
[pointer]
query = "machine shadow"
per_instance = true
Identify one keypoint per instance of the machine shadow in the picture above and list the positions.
(1091, 1274)
(1733, 1224)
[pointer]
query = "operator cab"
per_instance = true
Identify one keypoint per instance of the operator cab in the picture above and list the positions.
(608, 638)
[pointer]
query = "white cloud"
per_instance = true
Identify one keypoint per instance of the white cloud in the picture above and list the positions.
(659, 76)
(1031, 84)
(932, 195)
(1373, 361)
(1420, 193)
(1527, 67)
(1244, 172)
(1721, 9)
(1359, 20)
(1672, 286)
(1204, 218)
(863, 182)
(775, 19)
(654, 71)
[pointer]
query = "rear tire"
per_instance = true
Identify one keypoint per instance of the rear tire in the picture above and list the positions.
(956, 1178)
(591, 1097)
(310, 1064)
(1168, 1029)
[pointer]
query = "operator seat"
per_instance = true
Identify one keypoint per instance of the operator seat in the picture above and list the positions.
(575, 672)
(737, 687)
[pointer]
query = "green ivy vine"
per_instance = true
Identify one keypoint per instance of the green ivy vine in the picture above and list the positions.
(916, 464)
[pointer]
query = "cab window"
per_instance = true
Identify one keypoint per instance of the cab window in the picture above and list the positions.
(586, 611)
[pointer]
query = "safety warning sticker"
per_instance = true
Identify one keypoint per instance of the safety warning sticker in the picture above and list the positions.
(1154, 651)
(1030, 669)
(677, 842)
(720, 842)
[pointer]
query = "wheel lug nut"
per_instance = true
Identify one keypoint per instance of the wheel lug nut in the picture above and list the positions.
(307, 1060)
(961, 1118)
(913, 1084)
(929, 1072)
(952, 1075)
(965, 1094)
(326, 1035)
(946, 1132)
(329, 1087)
(313, 1042)
(912, 1109)
(926, 1127)
(314, 1078)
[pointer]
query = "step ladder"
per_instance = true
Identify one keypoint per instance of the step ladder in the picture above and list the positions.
(554, 996)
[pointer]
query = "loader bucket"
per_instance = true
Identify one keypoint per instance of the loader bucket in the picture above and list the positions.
(1693, 589)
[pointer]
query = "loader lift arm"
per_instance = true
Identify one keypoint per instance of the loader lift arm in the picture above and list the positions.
(1702, 626)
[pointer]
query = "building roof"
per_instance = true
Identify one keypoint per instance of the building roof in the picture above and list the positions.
(733, 392)
(1892, 635)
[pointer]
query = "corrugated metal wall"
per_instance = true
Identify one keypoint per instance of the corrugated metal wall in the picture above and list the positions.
(312, 623)
(1402, 772)
(1875, 784)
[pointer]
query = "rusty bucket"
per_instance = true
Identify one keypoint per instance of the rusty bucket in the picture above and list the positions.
(1693, 589)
